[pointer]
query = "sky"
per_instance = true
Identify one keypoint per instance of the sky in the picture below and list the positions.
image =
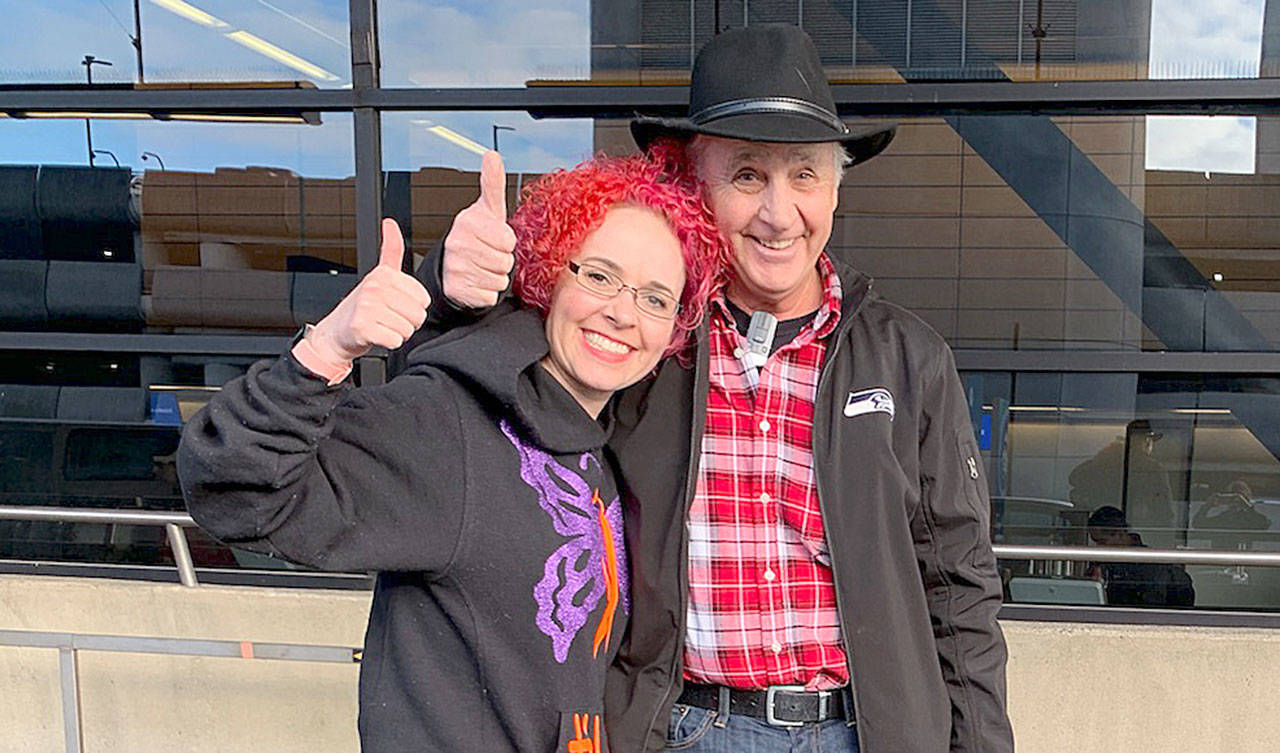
(423, 42)
(1204, 39)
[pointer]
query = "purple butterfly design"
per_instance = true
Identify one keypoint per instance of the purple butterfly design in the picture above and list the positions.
(577, 574)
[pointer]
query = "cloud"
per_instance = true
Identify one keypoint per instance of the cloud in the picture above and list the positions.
(1199, 39)
(1221, 144)
(496, 43)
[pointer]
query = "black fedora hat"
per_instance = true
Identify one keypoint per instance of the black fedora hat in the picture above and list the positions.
(763, 83)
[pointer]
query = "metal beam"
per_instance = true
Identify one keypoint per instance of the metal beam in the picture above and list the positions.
(237, 345)
(1110, 361)
(1194, 97)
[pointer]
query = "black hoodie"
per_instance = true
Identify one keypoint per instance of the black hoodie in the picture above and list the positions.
(476, 486)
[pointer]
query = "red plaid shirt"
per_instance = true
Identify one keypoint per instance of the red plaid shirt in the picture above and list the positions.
(762, 601)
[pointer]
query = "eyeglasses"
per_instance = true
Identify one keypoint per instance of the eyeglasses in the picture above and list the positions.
(655, 303)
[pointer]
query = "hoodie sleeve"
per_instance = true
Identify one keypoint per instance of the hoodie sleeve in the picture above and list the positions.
(959, 568)
(330, 477)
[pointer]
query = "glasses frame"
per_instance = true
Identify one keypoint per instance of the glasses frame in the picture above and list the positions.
(576, 269)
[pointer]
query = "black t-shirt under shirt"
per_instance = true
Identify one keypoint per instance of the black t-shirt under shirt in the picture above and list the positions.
(786, 331)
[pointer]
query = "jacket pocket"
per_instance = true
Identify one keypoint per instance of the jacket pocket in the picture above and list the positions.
(971, 472)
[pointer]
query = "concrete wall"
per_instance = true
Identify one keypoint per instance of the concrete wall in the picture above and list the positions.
(1094, 688)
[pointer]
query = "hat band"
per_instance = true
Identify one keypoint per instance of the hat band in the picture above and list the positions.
(768, 105)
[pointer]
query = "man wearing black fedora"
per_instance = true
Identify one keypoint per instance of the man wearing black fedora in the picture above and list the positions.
(806, 516)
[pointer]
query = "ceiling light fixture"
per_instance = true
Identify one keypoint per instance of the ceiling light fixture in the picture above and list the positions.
(262, 46)
(192, 13)
(452, 136)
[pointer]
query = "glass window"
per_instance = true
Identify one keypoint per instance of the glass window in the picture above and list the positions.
(1111, 233)
(432, 161)
(182, 41)
(502, 43)
(101, 430)
(1133, 460)
(176, 227)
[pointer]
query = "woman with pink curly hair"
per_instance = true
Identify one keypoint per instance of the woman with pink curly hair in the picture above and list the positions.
(476, 483)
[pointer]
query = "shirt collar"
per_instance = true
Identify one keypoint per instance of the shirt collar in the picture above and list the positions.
(828, 316)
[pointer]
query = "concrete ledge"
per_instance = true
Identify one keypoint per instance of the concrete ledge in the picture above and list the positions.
(1097, 688)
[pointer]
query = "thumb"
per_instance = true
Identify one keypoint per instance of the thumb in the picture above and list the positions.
(493, 184)
(392, 253)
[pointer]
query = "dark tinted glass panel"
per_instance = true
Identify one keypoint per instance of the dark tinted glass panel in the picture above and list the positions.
(501, 43)
(176, 227)
(1134, 460)
(306, 41)
(90, 430)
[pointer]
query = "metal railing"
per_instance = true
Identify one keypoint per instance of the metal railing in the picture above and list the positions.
(175, 522)
(70, 644)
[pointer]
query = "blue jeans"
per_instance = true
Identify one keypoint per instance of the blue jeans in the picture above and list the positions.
(693, 730)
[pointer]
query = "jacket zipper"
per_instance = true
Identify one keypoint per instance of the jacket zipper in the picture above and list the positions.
(837, 338)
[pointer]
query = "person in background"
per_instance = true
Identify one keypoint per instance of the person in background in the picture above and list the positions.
(476, 482)
(1136, 584)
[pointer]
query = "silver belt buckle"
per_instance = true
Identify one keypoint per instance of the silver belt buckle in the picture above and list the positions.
(824, 698)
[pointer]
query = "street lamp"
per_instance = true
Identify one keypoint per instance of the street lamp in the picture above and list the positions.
(497, 128)
(88, 63)
(109, 153)
(156, 156)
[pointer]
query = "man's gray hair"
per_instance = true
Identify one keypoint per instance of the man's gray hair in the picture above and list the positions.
(839, 155)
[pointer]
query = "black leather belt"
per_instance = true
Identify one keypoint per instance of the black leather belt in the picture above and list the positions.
(782, 706)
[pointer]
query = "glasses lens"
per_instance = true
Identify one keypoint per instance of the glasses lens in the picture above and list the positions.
(655, 303)
(599, 280)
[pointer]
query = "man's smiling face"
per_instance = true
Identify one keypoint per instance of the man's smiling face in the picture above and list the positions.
(774, 203)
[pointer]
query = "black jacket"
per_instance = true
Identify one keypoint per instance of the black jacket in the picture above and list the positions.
(906, 514)
(907, 517)
(475, 484)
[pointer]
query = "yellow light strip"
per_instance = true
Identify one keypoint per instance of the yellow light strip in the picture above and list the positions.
(457, 138)
(1206, 411)
(1046, 408)
(83, 115)
(262, 46)
(237, 118)
(191, 13)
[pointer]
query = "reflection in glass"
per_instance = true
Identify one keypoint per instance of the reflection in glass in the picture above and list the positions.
(246, 227)
(505, 43)
(1031, 232)
(432, 162)
(1167, 461)
(182, 40)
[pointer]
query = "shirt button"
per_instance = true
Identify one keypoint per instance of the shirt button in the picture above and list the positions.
(769, 575)
(776, 647)
(737, 352)
(764, 497)
(764, 424)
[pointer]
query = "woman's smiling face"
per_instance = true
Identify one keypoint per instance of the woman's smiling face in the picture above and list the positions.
(598, 344)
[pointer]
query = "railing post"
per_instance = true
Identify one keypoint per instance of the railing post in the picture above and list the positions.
(69, 673)
(181, 554)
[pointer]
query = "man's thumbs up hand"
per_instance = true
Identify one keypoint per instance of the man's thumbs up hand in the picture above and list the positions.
(479, 249)
(385, 308)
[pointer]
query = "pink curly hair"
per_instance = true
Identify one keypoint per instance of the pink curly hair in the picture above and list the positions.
(561, 208)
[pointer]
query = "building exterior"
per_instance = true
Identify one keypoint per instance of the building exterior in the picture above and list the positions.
(1083, 198)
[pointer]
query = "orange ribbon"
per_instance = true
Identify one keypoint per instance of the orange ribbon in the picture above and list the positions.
(605, 628)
